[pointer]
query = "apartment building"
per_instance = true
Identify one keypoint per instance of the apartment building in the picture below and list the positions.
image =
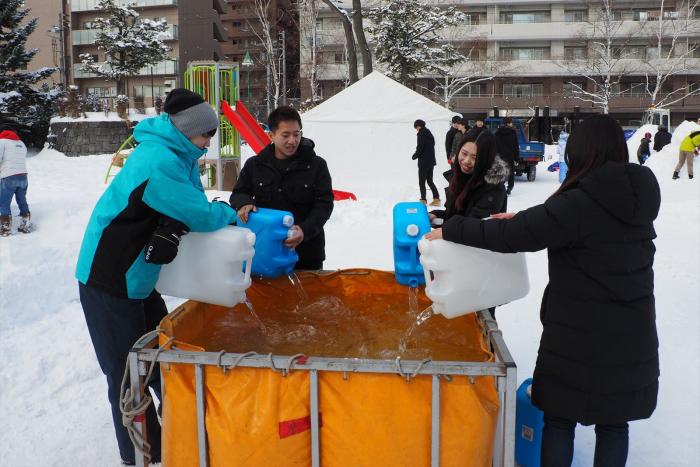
(534, 50)
(244, 30)
(48, 37)
(195, 32)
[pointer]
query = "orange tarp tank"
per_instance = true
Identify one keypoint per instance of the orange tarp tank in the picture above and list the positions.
(257, 417)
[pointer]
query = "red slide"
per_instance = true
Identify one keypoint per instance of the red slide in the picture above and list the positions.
(256, 137)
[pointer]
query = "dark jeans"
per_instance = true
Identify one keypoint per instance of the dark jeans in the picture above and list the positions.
(14, 186)
(308, 265)
(425, 174)
(611, 444)
(511, 176)
(114, 325)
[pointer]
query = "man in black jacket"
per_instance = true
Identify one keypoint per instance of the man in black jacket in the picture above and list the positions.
(508, 148)
(661, 138)
(425, 153)
(289, 176)
(451, 136)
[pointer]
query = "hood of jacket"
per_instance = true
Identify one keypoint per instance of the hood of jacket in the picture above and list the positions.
(161, 130)
(628, 192)
(498, 173)
(9, 134)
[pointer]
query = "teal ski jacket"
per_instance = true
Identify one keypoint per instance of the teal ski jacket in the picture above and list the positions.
(160, 177)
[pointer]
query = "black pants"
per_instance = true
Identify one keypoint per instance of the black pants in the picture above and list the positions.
(425, 174)
(308, 265)
(511, 176)
(611, 444)
(114, 325)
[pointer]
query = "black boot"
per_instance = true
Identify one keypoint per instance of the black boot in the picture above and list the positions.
(5, 226)
(675, 176)
(690, 176)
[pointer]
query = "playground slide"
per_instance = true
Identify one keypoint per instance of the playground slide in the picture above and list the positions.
(256, 137)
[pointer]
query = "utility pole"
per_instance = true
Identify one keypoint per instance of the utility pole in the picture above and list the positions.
(284, 67)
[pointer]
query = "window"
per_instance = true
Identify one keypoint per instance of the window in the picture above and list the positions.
(694, 50)
(618, 15)
(653, 52)
(471, 90)
(636, 89)
(89, 25)
(474, 18)
(634, 52)
(575, 16)
(523, 90)
(518, 17)
(338, 57)
(575, 53)
(319, 25)
(145, 90)
(103, 91)
(525, 53)
(641, 15)
(573, 88)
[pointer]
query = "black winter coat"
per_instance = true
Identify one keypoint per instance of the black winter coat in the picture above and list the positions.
(507, 144)
(449, 137)
(643, 147)
(304, 189)
(487, 199)
(598, 357)
(661, 139)
(475, 131)
(425, 149)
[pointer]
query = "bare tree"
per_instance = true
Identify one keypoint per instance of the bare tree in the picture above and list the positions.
(308, 14)
(351, 51)
(366, 53)
(263, 31)
(606, 61)
(673, 52)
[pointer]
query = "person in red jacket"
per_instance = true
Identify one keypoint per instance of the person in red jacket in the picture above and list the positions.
(13, 181)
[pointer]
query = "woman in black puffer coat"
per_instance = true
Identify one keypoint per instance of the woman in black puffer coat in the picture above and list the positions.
(598, 357)
(477, 187)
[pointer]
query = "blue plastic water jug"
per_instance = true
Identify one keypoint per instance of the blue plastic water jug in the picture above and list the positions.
(528, 428)
(411, 222)
(272, 258)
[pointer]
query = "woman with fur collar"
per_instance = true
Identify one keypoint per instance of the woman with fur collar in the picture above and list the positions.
(477, 187)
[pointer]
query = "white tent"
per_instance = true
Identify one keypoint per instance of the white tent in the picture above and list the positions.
(366, 135)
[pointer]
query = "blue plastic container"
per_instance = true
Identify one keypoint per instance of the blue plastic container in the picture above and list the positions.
(528, 428)
(272, 258)
(411, 222)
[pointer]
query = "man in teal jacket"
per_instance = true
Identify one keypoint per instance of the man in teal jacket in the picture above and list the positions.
(134, 229)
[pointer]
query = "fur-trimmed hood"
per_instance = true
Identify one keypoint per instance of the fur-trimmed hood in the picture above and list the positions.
(498, 173)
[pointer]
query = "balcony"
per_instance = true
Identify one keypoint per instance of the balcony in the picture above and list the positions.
(90, 5)
(167, 67)
(88, 36)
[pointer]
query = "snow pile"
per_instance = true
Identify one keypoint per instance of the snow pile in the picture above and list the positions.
(683, 130)
(366, 135)
(664, 162)
(134, 116)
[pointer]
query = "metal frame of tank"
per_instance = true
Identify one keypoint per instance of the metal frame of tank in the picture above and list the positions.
(503, 369)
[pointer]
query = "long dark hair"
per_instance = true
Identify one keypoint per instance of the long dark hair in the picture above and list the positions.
(461, 184)
(597, 140)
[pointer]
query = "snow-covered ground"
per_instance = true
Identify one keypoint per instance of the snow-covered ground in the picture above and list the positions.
(53, 395)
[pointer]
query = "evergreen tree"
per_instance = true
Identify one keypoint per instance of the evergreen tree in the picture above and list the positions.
(406, 33)
(21, 102)
(130, 43)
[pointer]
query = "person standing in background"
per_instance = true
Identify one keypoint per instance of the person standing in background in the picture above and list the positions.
(13, 181)
(449, 137)
(643, 152)
(661, 138)
(688, 151)
(508, 148)
(425, 154)
(476, 130)
(457, 138)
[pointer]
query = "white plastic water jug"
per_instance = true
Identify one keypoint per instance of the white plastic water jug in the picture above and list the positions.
(461, 279)
(210, 267)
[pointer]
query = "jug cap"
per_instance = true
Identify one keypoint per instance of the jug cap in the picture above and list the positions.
(412, 230)
(288, 221)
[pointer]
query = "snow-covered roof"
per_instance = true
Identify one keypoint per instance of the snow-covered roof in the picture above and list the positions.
(377, 99)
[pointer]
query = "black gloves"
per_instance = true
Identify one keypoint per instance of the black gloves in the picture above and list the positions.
(414, 157)
(162, 246)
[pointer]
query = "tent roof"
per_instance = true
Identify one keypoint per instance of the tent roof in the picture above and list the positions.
(377, 99)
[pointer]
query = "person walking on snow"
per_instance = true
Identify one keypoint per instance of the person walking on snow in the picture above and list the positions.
(508, 148)
(661, 138)
(13, 181)
(134, 229)
(688, 150)
(598, 360)
(643, 152)
(425, 154)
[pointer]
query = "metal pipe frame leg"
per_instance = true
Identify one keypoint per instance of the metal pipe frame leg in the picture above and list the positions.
(137, 389)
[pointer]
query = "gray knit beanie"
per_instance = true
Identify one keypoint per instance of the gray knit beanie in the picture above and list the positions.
(189, 113)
